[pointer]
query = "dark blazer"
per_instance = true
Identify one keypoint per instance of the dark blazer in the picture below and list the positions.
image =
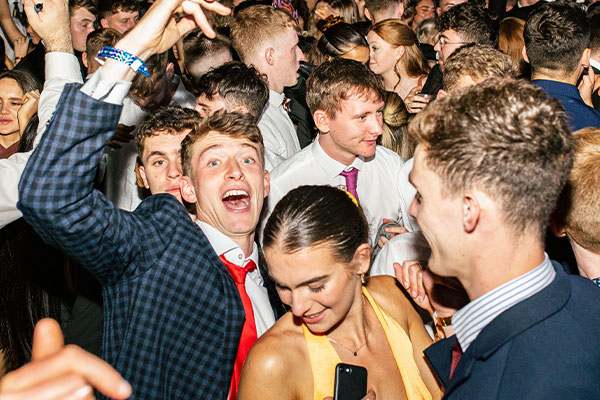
(172, 314)
(546, 347)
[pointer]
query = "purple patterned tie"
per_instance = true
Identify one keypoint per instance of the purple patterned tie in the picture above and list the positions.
(351, 176)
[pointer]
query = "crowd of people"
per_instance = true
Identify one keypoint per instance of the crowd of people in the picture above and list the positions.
(228, 200)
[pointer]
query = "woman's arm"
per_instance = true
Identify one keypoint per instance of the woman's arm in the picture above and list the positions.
(8, 24)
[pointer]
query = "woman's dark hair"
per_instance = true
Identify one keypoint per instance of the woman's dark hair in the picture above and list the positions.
(29, 134)
(312, 215)
(337, 40)
(24, 79)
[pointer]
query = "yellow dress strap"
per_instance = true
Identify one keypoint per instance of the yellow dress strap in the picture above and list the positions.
(323, 357)
(403, 354)
(323, 360)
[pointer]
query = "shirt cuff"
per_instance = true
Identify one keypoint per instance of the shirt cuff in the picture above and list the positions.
(106, 89)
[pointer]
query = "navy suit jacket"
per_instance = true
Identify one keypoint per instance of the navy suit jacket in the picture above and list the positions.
(173, 316)
(545, 347)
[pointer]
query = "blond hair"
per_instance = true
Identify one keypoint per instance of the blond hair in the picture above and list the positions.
(254, 26)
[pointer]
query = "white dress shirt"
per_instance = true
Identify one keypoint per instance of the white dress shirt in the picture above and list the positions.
(403, 247)
(223, 245)
(277, 129)
(377, 185)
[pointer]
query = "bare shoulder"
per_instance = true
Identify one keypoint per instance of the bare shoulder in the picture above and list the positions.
(390, 296)
(266, 372)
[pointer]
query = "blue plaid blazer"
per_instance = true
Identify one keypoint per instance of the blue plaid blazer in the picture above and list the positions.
(172, 314)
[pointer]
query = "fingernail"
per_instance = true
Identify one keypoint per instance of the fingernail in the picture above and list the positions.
(420, 298)
(125, 388)
(83, 392)
(405, 283)
(413, 293)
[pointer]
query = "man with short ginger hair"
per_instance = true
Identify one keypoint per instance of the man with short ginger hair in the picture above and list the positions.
(378, 10)
(267, 39)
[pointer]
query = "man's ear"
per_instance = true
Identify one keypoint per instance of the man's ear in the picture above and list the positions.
(441, 93)
(170, 70)
(524, 53)
(438, 10)
(400, 9)
(142, 172)
(585, 58)
(321, 121)
(84, 59)
(269, 55)
(556, 225)
(470, 212)
(187, 190)
(267, 182)
(368, 15)
(104, 23)
(241, 109)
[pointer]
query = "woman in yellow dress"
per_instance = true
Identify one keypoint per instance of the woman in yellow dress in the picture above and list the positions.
(317, 252)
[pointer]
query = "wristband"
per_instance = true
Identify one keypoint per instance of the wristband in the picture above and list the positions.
(134, 62)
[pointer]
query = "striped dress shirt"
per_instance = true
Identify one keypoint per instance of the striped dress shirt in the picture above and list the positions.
(470, 320)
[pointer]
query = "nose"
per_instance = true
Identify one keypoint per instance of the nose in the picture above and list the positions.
(414, 208)
(300, 303)
(300, 55)
(4, 108)
(174, 170)
(129, 25)
(376, 126)
(233, 170)
(438, 46)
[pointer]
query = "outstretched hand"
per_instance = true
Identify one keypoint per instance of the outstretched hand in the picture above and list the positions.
(161, 27)
(52, 23)
(59, 372)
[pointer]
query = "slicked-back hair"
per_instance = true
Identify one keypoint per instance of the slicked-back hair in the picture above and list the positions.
(504, 137)
(580, 201)
(232, 124)
(317, 215)
(556, 34)
(256, 25)
(337, 80)
(474, 23)
(169, 120)
(478, 61)
(238, 85)
(106, 8)
(336, 41)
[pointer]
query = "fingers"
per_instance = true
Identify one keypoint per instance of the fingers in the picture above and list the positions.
(47, 339)
(396, 230)
(382, 241)
(69, 387)
(370, 395)
(194, 9)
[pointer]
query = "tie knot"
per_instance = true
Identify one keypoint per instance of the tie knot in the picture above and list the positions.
(238, 273)
(351, 178)
(352, 172)
(287, 104)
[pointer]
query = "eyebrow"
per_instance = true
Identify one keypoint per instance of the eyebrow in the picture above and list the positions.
(305, 283)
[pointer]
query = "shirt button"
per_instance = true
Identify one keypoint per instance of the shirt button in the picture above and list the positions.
(239, 256)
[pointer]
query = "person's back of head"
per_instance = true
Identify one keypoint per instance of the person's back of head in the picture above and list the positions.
(339, 39)
(595, 41)
(340, 79)
(240, 87)
(201, 53)
(505, 138)
(95, 42)
(580, 201)
(556, 36)
(395, 127)
(474, 63)
(256, 27)
(427, 32)
(473, 22)
(378, 10)
(151, 91)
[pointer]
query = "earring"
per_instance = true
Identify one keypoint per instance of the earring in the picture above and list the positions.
(362, 279)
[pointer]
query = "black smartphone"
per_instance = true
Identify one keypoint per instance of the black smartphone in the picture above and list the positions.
(350, 382)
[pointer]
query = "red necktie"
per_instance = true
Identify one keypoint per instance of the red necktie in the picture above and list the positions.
(351, 177)
(249, 330)
(456, 356)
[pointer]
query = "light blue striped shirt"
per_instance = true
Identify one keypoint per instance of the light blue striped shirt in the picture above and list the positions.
(470, 320)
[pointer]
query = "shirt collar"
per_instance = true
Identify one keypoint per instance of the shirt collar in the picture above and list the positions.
(223, 245)
(275, 98)
(555, 88)
(331, 166)
(470, 320)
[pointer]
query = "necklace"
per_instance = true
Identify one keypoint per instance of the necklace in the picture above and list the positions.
(354, 352)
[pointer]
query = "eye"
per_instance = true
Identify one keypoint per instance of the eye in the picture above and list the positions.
(418, 197)
(248, 160)
(317, 289)
(16, 103)
(213, 163)
(159, 163)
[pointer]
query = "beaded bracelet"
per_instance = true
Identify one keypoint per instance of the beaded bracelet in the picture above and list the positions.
(134, 62)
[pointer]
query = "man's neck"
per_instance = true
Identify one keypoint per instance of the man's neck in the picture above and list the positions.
(499, 261)
(588, 262)
(527, 3)
(571, 80)
(333, 151)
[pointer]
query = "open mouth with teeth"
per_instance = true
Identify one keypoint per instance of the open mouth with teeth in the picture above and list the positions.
(236, 200)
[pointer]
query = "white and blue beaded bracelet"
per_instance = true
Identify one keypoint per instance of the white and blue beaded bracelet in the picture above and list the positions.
(134, 62)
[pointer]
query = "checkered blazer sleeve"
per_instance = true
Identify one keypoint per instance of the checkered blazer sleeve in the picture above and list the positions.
(57, 197)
